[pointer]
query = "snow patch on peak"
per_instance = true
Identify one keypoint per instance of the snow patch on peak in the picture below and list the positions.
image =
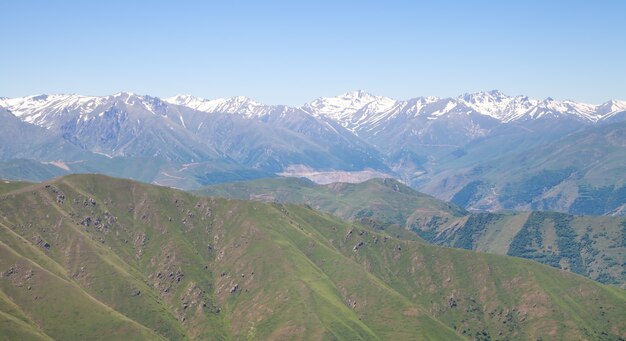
(234, 105)
(449, 106)
(498, 105)
(351, 109)
(184, 100)
(361, 95)
(123, 94)
(42, 109)
(610, 108)
(416, 106)
(553, 108)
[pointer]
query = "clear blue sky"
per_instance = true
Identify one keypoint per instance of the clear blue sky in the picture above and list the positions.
(291, 52)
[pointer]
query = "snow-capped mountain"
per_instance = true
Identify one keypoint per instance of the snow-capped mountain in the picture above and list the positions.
(124, 125)
(351, 109)
(414, 139)
(355, 110)
(356, 118)
(235, 105)
(358, 109)
(498, 105)
(185, 129)
(43, 110)
(50, 110)
(610, 109)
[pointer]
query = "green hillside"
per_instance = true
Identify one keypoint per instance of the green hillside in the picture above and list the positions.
(588, 245)
(378, 200)
(582, 173)
(92, 257)
(591, 246)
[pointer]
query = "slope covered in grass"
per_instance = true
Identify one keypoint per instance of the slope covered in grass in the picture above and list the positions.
(580, 173)
(588, 245)
(380, 200)
(149, 262)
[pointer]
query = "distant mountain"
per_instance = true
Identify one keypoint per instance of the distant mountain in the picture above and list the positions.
(23, 140)
(590, 246)
(235, 105)
(362, 111)
(424, 137)
(148, 262)
(454, 148)
(273, 138)
(119, 125)
(435, 123)
(195, 147)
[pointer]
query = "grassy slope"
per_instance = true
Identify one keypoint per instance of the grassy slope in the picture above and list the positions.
(591, 246)
(383, 202)
(558, 175)
(138, 259)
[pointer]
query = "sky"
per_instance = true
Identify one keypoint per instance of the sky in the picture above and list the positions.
(291, 52)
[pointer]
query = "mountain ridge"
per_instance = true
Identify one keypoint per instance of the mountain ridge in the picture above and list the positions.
(342, 107)
(587, 245)
(436, 145)
(150, 262)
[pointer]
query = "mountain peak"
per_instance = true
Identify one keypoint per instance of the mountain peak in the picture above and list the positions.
(233, 105)
(41, 97)
(496, 93)
(123, 94)
(498, 105)
(242, 100)
(610, 108)
(358, 94)
(181, 98)
(351, 108)
(492, 95)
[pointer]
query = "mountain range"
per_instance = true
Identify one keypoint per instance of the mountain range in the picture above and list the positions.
(454, 148)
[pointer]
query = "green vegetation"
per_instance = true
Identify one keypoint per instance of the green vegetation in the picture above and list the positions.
(529, 188)
(220, 177)
(147, 262)
(597, 201)
(586, 245)
(580, 173)
(473, 229)
(387, 201)
(22, 169)
(528, 243)
(467, 194)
